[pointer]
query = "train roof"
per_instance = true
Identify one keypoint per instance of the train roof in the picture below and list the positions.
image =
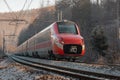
(65, 21)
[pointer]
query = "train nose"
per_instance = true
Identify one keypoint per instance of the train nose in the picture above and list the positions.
(73, 40)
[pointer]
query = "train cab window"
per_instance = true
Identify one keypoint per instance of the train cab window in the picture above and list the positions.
(67, 28)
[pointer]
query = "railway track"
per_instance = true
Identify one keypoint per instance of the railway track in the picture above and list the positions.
(76, 73)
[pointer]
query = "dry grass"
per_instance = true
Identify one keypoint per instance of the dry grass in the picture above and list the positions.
(50, 77)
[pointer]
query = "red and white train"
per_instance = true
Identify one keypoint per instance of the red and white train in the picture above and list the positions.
(61, 39)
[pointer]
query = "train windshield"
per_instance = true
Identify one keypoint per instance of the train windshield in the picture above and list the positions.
(67, 28)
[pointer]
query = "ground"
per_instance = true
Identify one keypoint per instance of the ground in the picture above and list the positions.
(13, 71)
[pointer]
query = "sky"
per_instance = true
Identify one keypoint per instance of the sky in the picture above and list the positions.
(16, 5)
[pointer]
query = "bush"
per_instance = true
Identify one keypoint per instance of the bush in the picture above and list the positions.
(99, 40)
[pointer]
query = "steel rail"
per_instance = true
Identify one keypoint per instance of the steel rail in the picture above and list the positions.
(64, 70)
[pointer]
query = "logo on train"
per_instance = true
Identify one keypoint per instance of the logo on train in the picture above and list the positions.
(73, 49)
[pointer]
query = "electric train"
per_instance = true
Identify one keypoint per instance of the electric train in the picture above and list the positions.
(61, 39)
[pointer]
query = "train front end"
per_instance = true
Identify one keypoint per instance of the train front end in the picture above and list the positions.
(67, 41)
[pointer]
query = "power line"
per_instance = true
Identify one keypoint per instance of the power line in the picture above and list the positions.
(30, 4)
(27, 8)
(48, 2)
(9, 8)
(16, 16)
(42, 3)
(22, 9)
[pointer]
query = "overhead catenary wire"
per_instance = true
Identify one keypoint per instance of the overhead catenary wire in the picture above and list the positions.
(21, 11)
(48, 2)
(30, 4)
(19, 15)
(12, 14)
(24, 13)
(15, 16)
(42, 3)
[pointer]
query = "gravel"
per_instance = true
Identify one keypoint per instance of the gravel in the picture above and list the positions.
(10, 70)
(15, 71)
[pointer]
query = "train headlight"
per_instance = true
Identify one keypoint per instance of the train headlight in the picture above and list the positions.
(83, 47)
